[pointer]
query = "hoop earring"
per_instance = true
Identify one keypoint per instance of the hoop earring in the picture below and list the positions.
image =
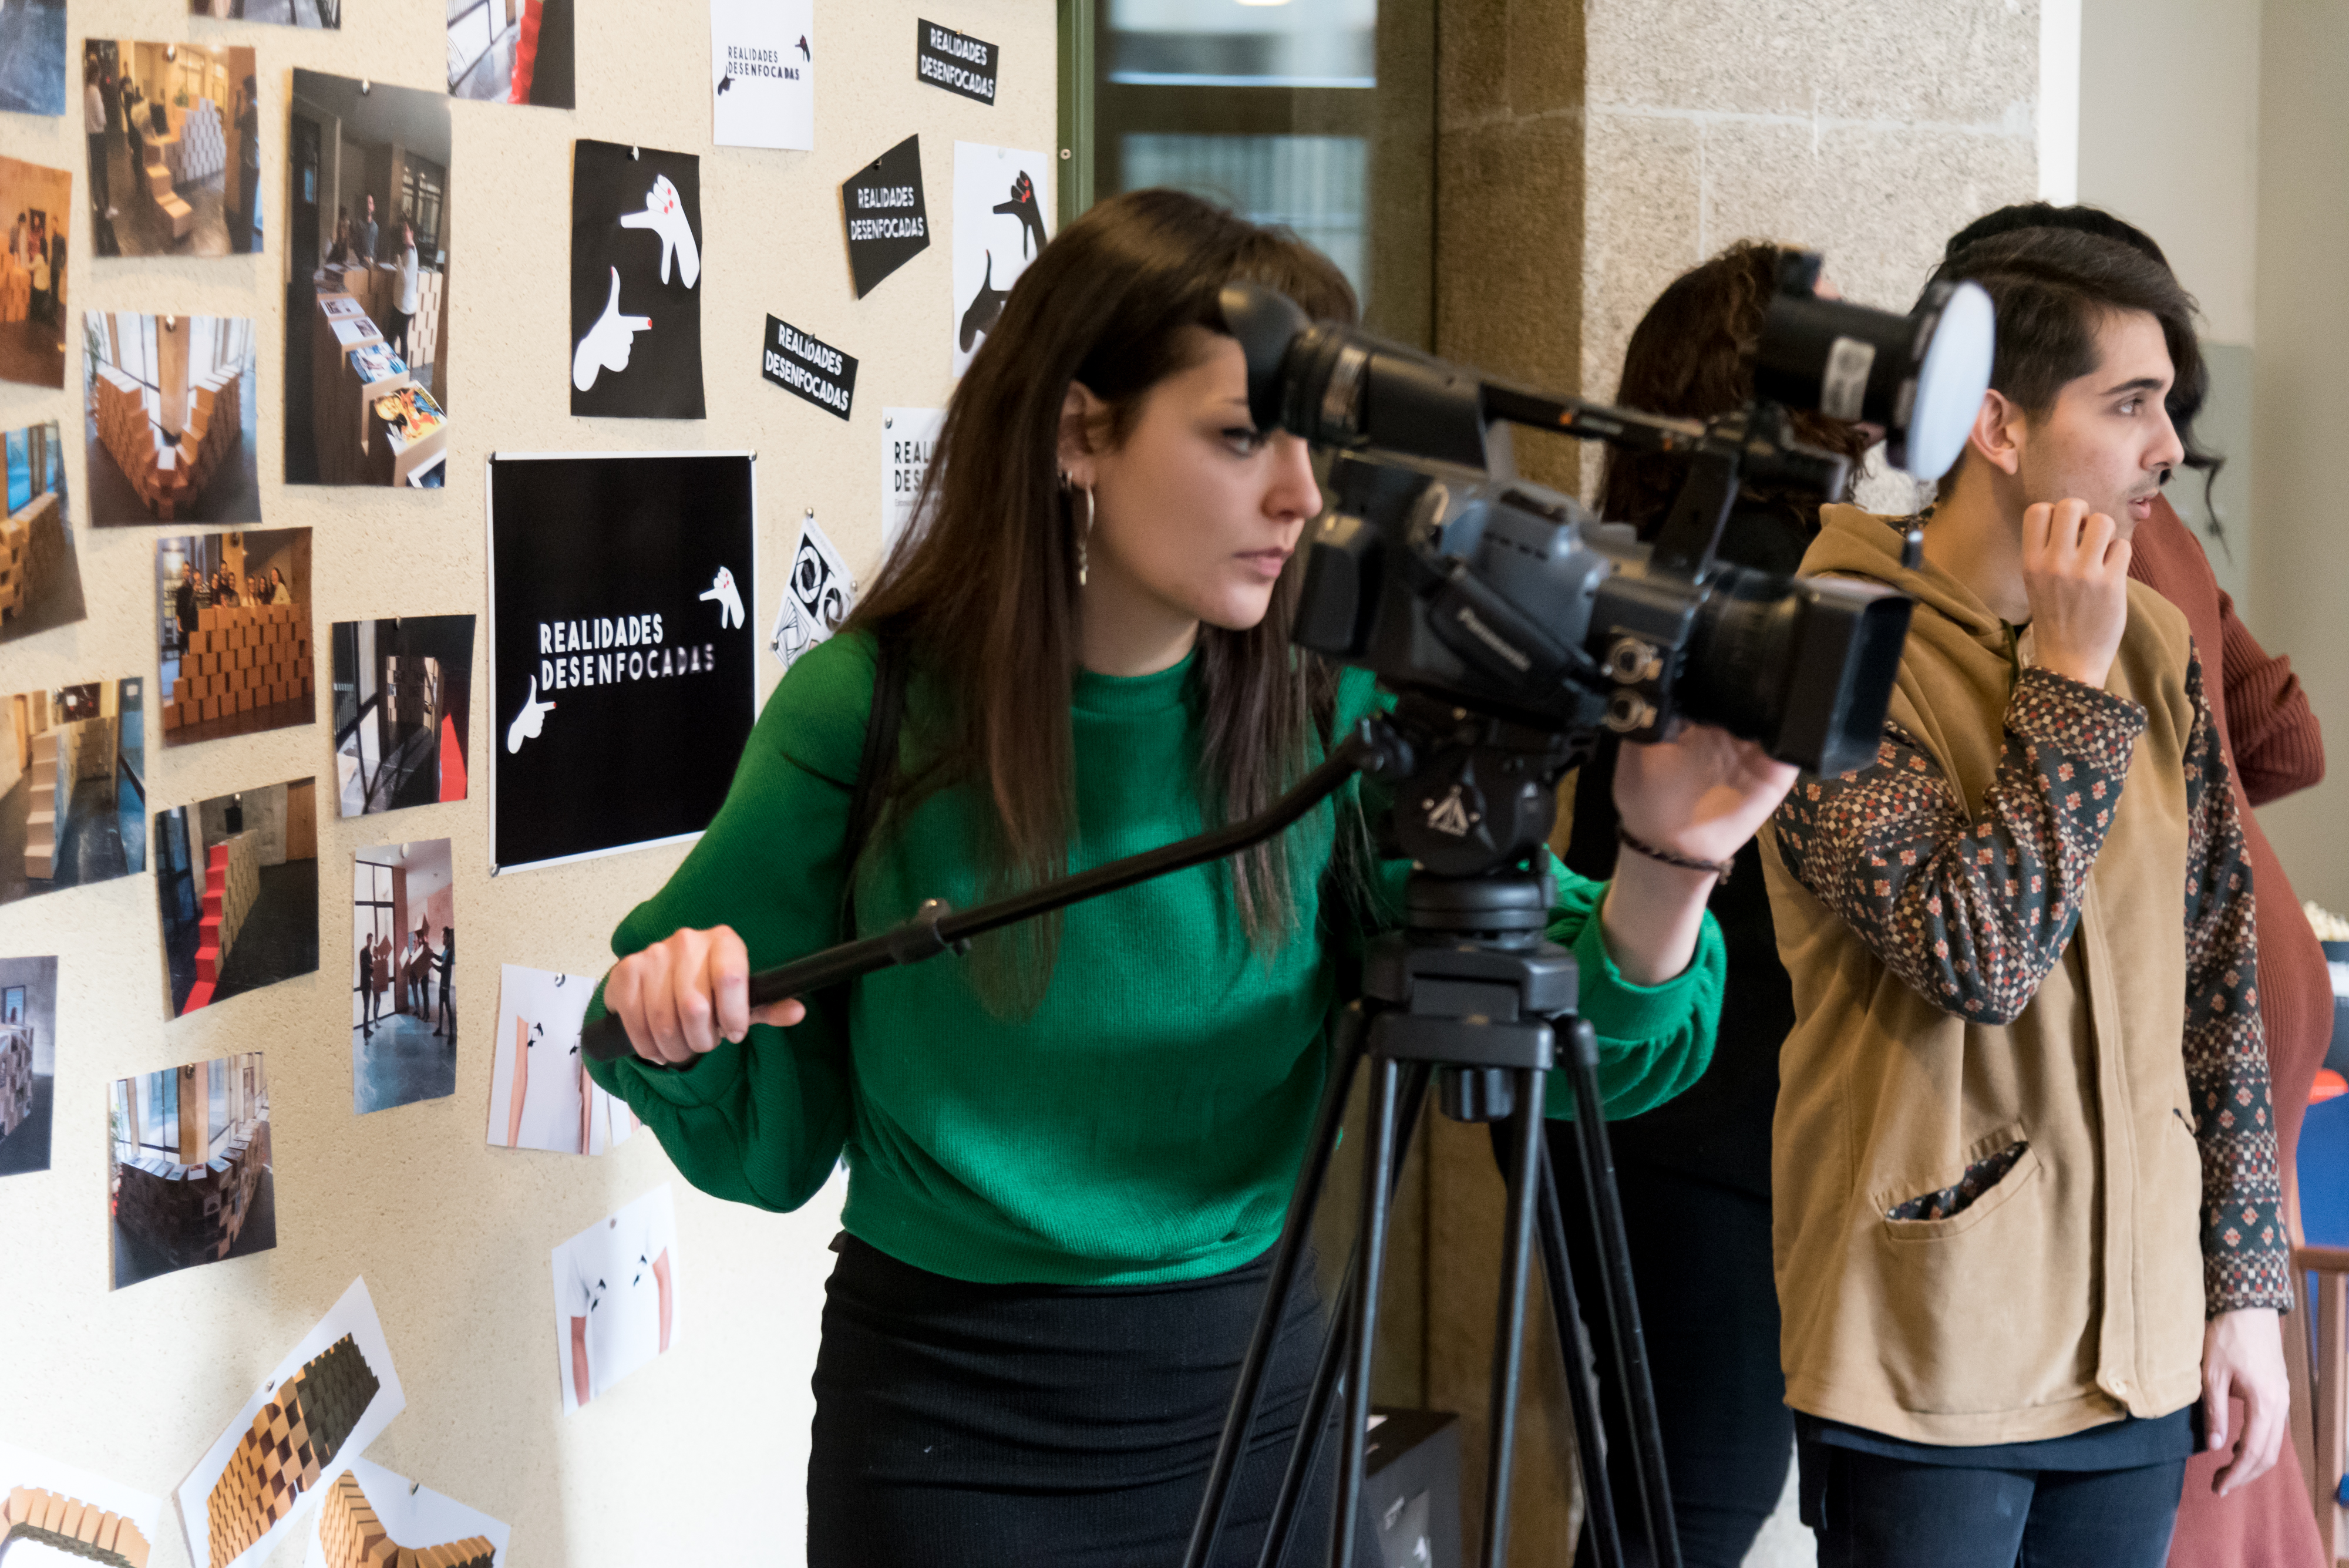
(1085, 532)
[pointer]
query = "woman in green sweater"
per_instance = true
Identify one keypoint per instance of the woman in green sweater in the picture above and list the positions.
(1069, 1154)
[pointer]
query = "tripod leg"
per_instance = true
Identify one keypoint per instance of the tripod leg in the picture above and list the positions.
(1379, 1161)
(1581, 1389)
(1622, 1308)
(1305, 1448)
(1508, 1341)
(1288, 1255)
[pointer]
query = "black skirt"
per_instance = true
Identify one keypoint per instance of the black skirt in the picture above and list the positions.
(971, 1425)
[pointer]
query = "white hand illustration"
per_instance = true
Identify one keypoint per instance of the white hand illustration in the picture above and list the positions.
(664, 214)
(730, 601)
(607, 345)
(529, 722)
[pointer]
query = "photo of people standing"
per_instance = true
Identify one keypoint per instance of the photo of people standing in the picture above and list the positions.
(403, 692)
(233, 633)
(167, 410)
(36, 206)
(174, 136)
(367, 340)
(237, 879)
(403, 968)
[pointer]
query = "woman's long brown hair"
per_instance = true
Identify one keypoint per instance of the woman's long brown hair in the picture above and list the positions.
(981, 591)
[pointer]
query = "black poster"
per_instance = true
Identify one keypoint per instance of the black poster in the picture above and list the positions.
(955, 61)
(622, 659)
(636, 277)
(808, 366)
(889, 223)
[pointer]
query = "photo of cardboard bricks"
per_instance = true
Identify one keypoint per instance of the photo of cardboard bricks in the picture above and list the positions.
(237, 881)
(403, 705)
(404, 969)
(36, 206)
(40, 571)
(188, 1176)
(233, 623)
(178, 168)
(28, 1061)
(73, 787)
(168, 401)
(70, 1516)
(367, 318)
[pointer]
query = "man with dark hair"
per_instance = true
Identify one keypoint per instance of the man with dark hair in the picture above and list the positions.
(2023, 1150)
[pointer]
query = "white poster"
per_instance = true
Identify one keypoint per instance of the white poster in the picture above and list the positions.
(615, 1297)
(73, 1513)
(338, 1386)
(1002, 215)
(908, 436)
(370, 1504)
(762, 73)
(540, 1094)
(817, 598)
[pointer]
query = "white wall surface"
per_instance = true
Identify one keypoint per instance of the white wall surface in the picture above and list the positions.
(699, 1458)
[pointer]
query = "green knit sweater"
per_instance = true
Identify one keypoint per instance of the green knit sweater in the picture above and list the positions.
(1143, 1123)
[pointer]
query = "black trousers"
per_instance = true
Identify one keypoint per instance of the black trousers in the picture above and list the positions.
(967, 1425)
(1869, 1510)
(100, 199)
(398, 336)
(1709, 1310)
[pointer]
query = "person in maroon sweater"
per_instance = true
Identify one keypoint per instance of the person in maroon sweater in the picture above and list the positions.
(2273, 743)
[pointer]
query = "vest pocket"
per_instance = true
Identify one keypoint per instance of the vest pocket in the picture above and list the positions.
(1995, 1169)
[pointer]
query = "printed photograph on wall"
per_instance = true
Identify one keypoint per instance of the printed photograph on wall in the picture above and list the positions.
(233, 633)
(623, 666)
(167, 403)
(615, 1297)
(177, 171)
(32, 56)
(38, 1495)
(188, 1169)
(40, 570)
(284, 13)
(636, 277)
(36, 205)
(403, 708)
(29, 1066)
(339, 1388)
(237, 878)
(73, 805)
(1002, 216)
(366, 311)
(404, 968)
(540, 1094)
(817, 596)
(762, 73)
(371, 1516)
(511, 51)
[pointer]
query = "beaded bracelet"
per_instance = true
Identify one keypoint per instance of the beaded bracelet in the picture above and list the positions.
(1720, 868)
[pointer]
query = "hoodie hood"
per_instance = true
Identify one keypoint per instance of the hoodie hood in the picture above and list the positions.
(1854, 543)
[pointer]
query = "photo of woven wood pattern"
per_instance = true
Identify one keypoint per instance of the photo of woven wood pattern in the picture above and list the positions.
(16, 1076)
(71, 1526)
(291, 1442)
(353, 1537)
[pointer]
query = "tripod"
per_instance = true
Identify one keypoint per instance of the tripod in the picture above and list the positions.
(1467, 992)
(1470, 993)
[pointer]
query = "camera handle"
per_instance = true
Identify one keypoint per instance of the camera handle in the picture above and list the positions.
(1373, 747)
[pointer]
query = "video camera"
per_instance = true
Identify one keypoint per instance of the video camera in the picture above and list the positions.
(1460, 583)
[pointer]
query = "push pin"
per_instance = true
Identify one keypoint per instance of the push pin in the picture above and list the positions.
(366, 87)
(634, 154)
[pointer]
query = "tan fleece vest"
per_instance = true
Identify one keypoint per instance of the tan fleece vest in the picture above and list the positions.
(2071, 1290)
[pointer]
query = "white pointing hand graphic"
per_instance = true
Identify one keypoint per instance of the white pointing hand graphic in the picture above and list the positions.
(530, 720)
(664, 214)
(607, 345)
(729, 599)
